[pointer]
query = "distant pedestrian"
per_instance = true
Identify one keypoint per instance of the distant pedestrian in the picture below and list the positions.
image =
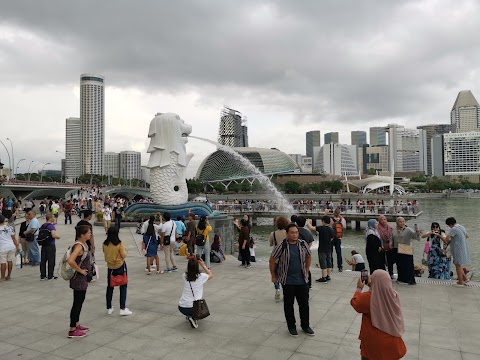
(289, 264)
(276, 237)
(67, 211)
(31, 236)
(204, 228)
(356, 261)
(339, 224)
(374, 249)
(107, 217)
(49, 250)
(402, 237)
(167, 242)
(244, 243)
(385, 231)
(190, 239)
(181, 228)
(150, 243)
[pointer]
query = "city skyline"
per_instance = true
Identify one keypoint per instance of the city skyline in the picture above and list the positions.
(367, 78)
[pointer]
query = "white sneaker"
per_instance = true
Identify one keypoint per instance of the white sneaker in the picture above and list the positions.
(110, 311)
(277, 294)
(125, 312)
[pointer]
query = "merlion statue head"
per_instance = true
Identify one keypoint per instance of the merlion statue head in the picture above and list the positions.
(168, 134)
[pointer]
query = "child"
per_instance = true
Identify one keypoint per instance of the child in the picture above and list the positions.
(252, 250)
(177, 245)
(356, 261)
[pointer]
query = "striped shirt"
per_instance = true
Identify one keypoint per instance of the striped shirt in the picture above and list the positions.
(281, 253)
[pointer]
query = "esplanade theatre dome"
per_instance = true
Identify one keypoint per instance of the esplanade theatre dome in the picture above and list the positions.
(221, 165)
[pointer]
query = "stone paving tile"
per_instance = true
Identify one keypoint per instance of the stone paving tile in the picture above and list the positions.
(246, 321)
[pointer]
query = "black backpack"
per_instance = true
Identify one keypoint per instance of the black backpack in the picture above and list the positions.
(44, 235)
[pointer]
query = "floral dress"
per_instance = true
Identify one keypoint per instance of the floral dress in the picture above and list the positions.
(438, 260)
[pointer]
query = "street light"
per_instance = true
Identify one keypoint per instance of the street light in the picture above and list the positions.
(29, 175)
(16, 168)
(13, 157)
(9, 160)
(41, 171)
(29, 169)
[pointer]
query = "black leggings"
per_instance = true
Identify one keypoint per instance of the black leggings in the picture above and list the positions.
(78, 299)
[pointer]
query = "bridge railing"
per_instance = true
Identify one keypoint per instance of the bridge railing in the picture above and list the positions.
(266, 207)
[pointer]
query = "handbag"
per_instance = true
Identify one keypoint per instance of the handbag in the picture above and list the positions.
(200, 240)
(119, 280)
(405, 249)
(200, 308)
(30, 237)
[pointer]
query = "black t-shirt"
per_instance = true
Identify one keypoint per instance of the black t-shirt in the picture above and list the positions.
(306, 235)
(118, 211)
(325, 236)
(84, 222)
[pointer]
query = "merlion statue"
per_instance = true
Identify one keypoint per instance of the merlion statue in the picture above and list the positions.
(168, 159)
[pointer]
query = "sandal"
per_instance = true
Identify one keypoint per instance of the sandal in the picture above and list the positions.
(149, 273)
(159, 272)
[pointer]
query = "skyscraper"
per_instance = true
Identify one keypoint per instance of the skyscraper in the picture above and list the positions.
(462, 153)
(130, 165)
(378, 136)
(431, 131)
(465, 114)
(233, 128)
(73, 151)
(406, 147)
(92, 122)
(111, 164)
(312, 139)
(331, 138)
(359, 137)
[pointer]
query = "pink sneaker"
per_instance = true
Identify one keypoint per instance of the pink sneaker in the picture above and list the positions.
(83, 328)
(76, 334)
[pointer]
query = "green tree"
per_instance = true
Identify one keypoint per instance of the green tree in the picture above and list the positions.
(245, 186)
(234, 187)
(335, 186)
(219, 188)
(292, 187)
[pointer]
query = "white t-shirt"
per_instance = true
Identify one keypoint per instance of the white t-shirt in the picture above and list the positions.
(6, 242)
(156, 227)
(167, 228)
(358, 259)
(55, 208)
(107, 214)
(186, 300)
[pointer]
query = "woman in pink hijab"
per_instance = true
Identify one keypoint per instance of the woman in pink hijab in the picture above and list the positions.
(382, 321)
(386, 232)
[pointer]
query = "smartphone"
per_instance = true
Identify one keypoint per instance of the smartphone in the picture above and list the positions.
(197, 256)
(364, 276)
(415, 226)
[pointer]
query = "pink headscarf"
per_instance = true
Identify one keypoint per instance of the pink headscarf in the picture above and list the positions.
(385, 307)
(385, 231)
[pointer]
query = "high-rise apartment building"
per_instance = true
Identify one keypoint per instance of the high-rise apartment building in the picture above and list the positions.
(462, 153)
(233, 130)
(111, 164)
(331, 138)
(372, 157)
(312, 139)
(378, 136)
(92, 122)
(359, 137)
(130, 165)
(73, 150)
(465, 114)
(431, 131)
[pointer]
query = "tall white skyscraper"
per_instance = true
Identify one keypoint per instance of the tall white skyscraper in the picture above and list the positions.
(407, 149)
(72, 148)
(92, 122)
(130, 165)
(465, 114)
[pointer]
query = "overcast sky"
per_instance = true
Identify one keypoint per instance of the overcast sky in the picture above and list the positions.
(288, 66)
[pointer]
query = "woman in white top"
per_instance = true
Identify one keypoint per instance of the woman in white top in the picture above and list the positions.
(356, 261)
(193, 281)
(8, 245)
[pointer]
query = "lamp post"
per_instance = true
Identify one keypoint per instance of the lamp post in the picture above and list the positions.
(31, 162)
(9, 160)
(13, 156)
(29, 175)
(16, 167)
(41, 171)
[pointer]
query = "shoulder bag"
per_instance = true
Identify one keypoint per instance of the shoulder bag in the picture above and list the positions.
(405, 249)
(200, 239)
(119, 280)
(200, 308)
(166, 239)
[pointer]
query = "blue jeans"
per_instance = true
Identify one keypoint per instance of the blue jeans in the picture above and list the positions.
(337, 244)
(33, 252)
(205, 250)
(123, 288)
(186, 311)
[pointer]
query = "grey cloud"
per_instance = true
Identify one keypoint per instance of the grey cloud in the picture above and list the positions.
(352, 61)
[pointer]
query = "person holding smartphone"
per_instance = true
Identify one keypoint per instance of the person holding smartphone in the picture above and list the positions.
(382, 319)
(193, 281)
(437, 260)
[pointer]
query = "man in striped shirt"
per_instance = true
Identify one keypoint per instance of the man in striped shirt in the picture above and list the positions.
(289, 264)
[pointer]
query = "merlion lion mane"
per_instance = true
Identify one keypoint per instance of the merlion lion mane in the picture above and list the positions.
(168, 159)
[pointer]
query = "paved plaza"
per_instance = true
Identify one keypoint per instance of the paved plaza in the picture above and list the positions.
(442, 322)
